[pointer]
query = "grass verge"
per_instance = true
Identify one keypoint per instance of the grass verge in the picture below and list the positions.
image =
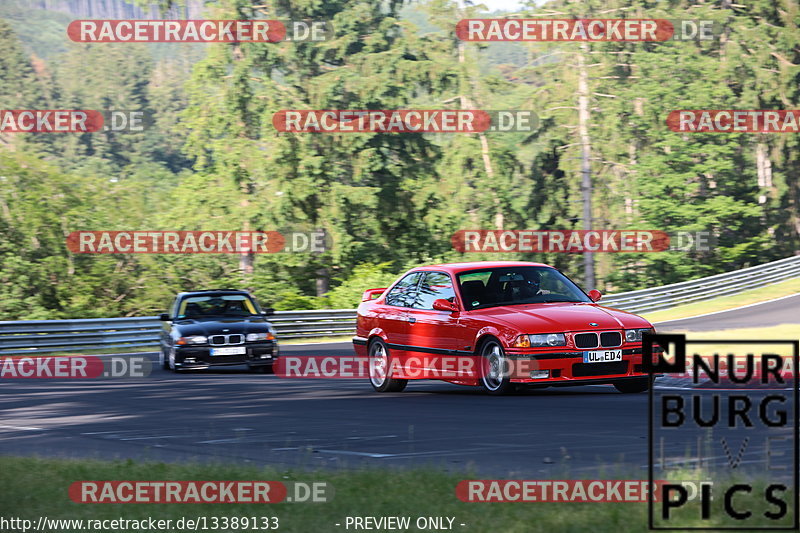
(34, 487)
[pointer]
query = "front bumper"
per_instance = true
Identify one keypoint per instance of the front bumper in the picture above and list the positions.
(565, 367)
(256, 354)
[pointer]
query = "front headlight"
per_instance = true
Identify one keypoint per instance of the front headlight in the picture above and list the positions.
(635, 335)
(255, 337)
(194, 339)
(541, 340)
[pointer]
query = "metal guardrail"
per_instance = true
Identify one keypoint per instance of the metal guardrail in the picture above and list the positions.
(48, 336)
(686, 292)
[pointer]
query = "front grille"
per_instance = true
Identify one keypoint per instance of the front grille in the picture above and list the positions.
(580, 370)
(611, 339)
(608, 339)
(221, 340)
(586, 340)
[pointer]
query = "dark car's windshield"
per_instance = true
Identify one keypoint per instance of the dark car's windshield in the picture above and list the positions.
(516, 285)
(228, 305)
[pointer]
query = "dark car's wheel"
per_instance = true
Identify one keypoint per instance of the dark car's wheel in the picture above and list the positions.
(633, 386)
(494, 369)
(171, 360)
(380, 369)
(162, 358)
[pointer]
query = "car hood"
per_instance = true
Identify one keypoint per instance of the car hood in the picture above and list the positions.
(559, 317)
(216, 325)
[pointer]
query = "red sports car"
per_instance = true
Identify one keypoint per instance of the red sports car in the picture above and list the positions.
(497, 324)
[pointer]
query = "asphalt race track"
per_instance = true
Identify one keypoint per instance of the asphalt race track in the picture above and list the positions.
(780, 311)
(229, 415)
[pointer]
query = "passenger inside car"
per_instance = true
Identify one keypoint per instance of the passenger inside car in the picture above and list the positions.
(235, 308)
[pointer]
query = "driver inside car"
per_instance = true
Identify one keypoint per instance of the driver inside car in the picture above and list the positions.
(234, 308)
(521, 288)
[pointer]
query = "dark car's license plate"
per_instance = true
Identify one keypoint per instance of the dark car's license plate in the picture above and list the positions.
(229, 350)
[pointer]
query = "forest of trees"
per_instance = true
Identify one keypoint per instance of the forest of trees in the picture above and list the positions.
(213, 161)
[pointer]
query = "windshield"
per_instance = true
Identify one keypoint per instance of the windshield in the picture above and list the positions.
(517, 285)
(229, 305)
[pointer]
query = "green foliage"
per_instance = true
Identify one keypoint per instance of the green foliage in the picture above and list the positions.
(347, 295)
(212, 160)
(41, 30)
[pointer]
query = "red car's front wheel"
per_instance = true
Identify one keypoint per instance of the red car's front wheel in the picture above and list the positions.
(494, 369)
(380, 369)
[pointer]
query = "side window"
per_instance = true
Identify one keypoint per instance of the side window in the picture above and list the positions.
(435, 286)
(403, 294)
(173, 308)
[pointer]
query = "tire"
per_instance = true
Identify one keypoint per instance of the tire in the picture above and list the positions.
(379, 364)
(171, 361)
(493, 377)
(633, 386)
(162, 358)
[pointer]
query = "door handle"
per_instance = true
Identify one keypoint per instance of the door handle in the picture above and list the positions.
(411, 320)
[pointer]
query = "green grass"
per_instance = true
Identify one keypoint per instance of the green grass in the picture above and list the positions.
(33, 487)
(762, 294)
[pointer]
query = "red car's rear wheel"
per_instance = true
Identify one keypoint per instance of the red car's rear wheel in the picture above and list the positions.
(380, 369)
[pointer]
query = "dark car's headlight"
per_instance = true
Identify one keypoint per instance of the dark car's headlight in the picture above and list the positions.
(255, 337)
(540, 340)
(635, 335)
(194, 339)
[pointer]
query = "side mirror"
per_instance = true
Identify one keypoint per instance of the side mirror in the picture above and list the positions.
(443, 305)
(595, 295)
(164, 317)
(268, 311)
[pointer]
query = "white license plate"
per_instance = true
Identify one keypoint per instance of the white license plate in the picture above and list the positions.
(602, 356)
(233, 350)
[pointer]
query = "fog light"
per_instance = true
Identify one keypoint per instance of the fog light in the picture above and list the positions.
(540, 374)
(266, 357)
(189, 360)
